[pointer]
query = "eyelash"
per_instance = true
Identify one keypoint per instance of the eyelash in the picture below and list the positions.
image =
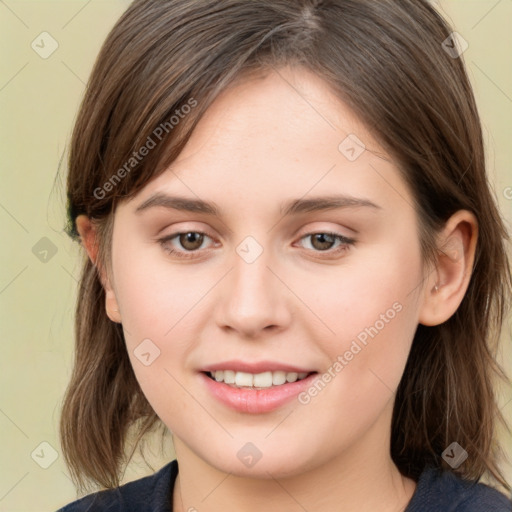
(345, 243)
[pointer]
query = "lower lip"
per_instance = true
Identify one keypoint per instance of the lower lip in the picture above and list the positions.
(256, 401)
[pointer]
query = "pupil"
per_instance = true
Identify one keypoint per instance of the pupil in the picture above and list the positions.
(190, 240)
(324, 239)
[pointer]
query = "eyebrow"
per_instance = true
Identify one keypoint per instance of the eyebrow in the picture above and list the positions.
(295, 206)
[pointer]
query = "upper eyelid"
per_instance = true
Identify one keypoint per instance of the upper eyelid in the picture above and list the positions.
(310, 231)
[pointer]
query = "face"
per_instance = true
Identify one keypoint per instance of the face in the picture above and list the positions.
(266, 284)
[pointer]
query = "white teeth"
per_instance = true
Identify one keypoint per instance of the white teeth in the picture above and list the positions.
(278, 378)
(243, 379)
(262, 380)
(292, 377)
(229, 376)
(259, 380)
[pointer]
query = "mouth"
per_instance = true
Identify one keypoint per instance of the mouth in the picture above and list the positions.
(256, 393)
(264, 380)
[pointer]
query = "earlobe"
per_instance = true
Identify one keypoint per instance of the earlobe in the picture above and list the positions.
(88, 238)
(111, 306)
(448, 282)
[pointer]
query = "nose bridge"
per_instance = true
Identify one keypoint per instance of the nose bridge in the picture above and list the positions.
(251, 275)
(253, 298)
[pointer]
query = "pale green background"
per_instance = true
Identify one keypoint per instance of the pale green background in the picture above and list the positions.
(38, 103)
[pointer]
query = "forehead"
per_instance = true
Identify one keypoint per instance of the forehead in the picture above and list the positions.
(287, 107)
(276, 135)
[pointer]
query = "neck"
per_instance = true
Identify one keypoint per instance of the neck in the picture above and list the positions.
(362, 479)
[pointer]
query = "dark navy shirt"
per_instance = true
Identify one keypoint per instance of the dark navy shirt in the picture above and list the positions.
(436, 491)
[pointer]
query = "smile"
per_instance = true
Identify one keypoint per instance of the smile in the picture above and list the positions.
(256, 381)
(256, 393)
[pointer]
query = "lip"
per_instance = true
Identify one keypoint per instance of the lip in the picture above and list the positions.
(255, 401)
(255, 367)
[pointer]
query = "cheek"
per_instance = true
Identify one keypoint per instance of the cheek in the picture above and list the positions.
(370, 308)
(154, 296)
(156, 302)
(367, 290)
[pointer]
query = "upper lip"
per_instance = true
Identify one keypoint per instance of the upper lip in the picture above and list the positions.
(255, 367)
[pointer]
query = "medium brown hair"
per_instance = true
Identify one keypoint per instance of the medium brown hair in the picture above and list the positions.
(385, 60)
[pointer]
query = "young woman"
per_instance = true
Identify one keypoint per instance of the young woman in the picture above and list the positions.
(294, 262)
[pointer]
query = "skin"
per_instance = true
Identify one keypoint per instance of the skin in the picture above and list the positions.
(262, 143)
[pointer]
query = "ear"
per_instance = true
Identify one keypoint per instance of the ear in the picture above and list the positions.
(89, 240)
(447, 284)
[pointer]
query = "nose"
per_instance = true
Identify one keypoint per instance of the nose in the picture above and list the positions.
(253, 300)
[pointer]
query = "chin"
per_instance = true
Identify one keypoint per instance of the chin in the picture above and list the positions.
(271, 461)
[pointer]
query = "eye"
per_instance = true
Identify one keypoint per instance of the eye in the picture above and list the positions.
(190, 242)
(185, 244)
(325, 241)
